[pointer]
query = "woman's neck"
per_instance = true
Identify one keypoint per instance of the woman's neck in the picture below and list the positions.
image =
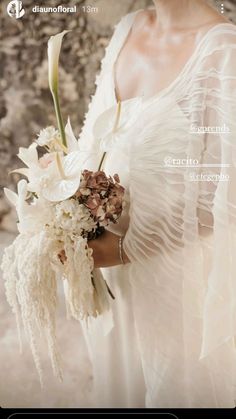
(177, 14)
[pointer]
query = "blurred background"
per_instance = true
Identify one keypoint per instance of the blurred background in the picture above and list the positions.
(25, 108)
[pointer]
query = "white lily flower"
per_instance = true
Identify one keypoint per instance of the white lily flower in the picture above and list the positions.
(112, 125)
(54, 48)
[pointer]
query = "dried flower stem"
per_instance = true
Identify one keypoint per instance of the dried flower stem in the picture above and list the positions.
(101, 162)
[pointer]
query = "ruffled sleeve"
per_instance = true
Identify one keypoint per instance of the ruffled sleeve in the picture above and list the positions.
(181, 239)
(217, 196)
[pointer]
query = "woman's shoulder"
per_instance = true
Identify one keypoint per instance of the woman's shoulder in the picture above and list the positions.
(215, 34)
(217, 49)
(221, 36)
(141, 17)
(138, 18)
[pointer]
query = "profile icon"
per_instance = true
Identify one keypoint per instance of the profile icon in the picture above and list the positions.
(15, 9)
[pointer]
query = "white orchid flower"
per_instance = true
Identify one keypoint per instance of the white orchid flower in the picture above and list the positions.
(31, 217)
(56, 181)
(29, 155)
(54, 48)
(112, 125)
(34, 171)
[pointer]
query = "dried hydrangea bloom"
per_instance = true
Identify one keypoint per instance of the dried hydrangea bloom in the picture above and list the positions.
(102, 195)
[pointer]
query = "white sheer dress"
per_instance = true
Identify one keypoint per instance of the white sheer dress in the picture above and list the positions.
(172, 342)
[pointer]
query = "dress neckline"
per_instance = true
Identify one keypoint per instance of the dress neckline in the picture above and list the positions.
(176, 79)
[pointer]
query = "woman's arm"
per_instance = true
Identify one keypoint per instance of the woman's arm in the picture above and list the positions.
(106, 250)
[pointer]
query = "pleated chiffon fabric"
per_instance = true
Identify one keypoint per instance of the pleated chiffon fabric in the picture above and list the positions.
(172, 343)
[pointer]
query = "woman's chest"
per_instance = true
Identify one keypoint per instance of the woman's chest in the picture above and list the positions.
(144, 69)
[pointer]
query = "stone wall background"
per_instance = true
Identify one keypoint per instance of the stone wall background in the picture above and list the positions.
(25, 100)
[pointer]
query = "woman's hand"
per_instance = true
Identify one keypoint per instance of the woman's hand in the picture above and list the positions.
(106, 250)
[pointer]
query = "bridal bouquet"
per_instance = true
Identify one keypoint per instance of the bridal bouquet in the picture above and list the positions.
(60, 208)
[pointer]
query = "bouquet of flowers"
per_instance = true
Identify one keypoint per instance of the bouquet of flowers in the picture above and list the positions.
(60, 207)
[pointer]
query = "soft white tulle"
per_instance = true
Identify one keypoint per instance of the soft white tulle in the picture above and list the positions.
(172, 343)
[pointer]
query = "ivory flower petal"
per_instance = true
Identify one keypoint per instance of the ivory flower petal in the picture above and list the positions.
(22, 194)
(57, 188)
(11, 196)
(72, 142)
(61, 189)
(29, 155)
(54, 48)
(25, 171)
(34, 172)
(19, 198)
(106, 121)
(73, 162)
(32, 217)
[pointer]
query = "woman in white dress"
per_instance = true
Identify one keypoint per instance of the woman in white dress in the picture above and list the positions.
(170, 73)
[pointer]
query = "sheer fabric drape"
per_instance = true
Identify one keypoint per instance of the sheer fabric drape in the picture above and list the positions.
(172, 344)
